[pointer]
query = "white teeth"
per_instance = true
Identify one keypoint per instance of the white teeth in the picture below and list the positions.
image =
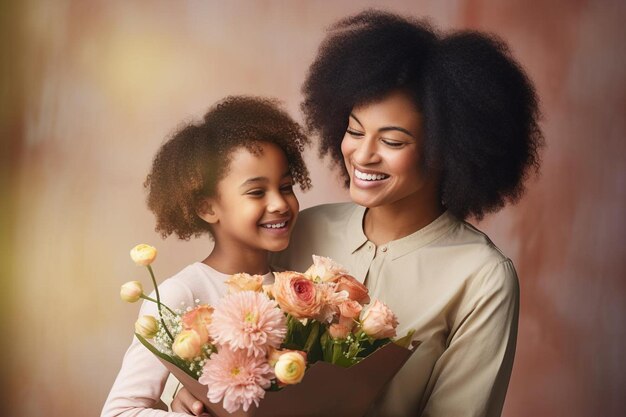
(369, 177)
(274, 225)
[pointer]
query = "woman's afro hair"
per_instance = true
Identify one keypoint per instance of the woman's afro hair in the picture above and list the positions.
(480, 110)
(188, 166)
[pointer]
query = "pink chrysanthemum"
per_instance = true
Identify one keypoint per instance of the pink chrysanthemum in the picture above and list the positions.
(237, 378)
(250, 321)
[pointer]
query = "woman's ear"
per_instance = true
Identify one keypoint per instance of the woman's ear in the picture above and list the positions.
(206, 212)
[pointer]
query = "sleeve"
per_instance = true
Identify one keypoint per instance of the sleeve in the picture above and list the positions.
(472, 375)
(137, 389)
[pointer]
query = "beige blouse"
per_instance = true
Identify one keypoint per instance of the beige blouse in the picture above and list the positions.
(447, 281)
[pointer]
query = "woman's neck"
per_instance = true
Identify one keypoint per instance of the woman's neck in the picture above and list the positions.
(390, 222)
(235, 260)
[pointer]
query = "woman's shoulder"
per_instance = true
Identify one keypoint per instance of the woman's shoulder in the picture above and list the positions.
(469, 254)
(475, 243)
(493, 267)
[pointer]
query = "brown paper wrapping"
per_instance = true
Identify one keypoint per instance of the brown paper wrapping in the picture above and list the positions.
(326, 390)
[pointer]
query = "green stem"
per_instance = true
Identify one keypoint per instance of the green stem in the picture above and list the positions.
(313, 335)
(337, 351)
(145, 297)
(158, 301)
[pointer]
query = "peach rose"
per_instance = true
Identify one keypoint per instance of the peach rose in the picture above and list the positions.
(143, 255)
(347, 322)
(297, 295)
(131, 291)
(146, 326)
(324, 269)
(244, 282)
(350, 309)
(198, 320)
(187, 345)
(290, 367)
(338, 331)
(379, 321)
(356, 291)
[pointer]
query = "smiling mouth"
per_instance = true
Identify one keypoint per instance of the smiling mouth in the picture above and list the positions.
(277, 225)
(369, 177)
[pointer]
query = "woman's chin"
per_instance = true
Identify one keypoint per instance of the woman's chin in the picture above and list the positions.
(363, 197)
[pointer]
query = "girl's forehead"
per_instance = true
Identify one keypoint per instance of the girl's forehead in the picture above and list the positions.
(264, 159)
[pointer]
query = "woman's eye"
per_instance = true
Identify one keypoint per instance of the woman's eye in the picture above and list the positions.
(393, 143)
(354, 133)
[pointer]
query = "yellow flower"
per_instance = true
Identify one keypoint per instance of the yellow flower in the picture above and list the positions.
(187, 344)
(244, 282)
(143, 255)
(290, 367)
(147, 326)
(131, 291)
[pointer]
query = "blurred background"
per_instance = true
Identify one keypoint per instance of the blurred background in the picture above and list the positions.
(90, 89)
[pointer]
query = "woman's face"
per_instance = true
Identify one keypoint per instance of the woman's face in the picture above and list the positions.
(382, 150)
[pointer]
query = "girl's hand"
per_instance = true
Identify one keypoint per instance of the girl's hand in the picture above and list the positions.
(184, 402)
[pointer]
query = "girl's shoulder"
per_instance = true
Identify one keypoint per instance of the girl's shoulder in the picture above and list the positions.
(194, 282)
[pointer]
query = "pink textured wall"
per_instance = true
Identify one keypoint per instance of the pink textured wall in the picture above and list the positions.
(90, 89)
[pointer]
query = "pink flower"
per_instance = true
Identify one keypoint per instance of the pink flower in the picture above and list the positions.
(356, 291)
(338, 331)
(331, 301)
(350, 309)
(324, 269)
(237, 378)
(379, 321)
(248, 321)
(199, 319)
(297, 295)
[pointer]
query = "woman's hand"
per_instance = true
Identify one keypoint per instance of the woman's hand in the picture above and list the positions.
(184, 402)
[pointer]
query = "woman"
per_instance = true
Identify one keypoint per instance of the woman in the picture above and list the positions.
(429, 130)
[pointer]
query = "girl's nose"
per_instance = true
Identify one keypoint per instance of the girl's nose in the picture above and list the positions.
(277, 204)
(366, 151)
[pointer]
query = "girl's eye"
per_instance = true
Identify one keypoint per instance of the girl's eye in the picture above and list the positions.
(287, 189)
(256, 193)
(393, 143)
(354, 133)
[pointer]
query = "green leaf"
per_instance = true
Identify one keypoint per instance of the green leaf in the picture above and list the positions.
(174, 361)
(405, 341)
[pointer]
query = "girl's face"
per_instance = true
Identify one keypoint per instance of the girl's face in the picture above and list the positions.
(382, 150)
(255, 207)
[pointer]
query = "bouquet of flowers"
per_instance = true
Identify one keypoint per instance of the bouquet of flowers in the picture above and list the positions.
(259, 339)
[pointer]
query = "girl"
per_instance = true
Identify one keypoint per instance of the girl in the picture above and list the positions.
(231, 177)
(429, 130)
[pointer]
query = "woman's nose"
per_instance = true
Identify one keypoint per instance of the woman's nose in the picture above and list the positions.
(366, 151)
